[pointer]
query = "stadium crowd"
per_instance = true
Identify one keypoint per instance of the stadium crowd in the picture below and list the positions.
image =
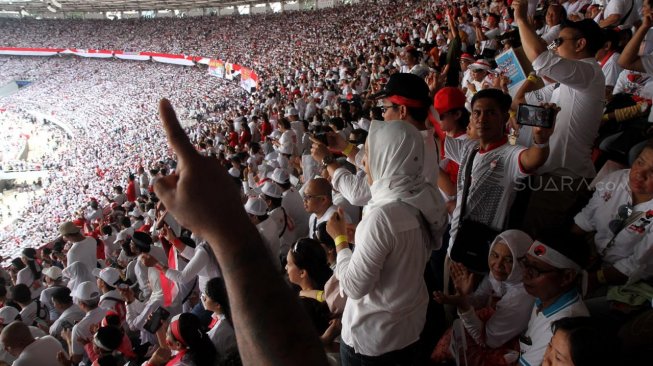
(371, 177)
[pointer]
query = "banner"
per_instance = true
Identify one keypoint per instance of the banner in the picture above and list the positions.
(29, 51)
(135, 56)
(90, 53)
(248, 80)
(216, 68)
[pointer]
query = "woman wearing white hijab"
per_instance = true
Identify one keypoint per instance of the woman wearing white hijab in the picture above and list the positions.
(383, 277)
(500, 308)
(77, 272)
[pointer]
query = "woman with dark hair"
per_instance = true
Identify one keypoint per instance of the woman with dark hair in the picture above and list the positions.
(307, 268)
(221, 330)
(581, 341)
(245, 136)
(31, 274)
(184, 336)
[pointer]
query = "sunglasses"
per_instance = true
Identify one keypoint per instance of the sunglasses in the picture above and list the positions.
(623, 213)
(558, 42)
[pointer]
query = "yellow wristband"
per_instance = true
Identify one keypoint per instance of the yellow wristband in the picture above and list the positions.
(600, 276)
(532, 79)
(348, 149)
(341, 239)
(320, 296)
(512, 113)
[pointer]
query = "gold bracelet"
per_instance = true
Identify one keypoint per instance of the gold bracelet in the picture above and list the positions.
(600, 276)
(320, 296)
(348, 149)
(341, 239)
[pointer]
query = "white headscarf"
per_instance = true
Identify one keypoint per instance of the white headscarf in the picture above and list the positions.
(395, 156)
(77, 272)
(518, 242)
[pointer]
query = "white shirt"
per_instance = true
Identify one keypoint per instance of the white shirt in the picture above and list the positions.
(384, 281)
(46, 300)
(494, 177)
(580, 98)
(576, 7)
(534, 341)
(223, 337)
(42, 352)
(550, 33)
(71, 315)
(632, 252)
(199, 265)
(622, 7)
(269, 233)
(7, 357)
(353, 187)
(611, 69)
(294, 204)
(431, 157)
(84, 251)
(314, 221)
(82, 330)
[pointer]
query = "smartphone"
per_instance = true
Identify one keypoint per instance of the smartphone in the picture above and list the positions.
(532, 115)
(154, 322)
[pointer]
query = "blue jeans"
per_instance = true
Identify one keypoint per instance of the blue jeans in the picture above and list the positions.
(402, 357)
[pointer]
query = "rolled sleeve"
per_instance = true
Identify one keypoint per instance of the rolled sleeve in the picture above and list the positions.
(575, 74)
(353, 187)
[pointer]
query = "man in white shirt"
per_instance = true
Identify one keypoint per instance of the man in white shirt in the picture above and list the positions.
(580, 96)
(621, 13)
(318, 201)
(19, 342)
(83, 248)
(53, 278)
(89, 298)
(70, 313)
(551, 275)
(257, 209)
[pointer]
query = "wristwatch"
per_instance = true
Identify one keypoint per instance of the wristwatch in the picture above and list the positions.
(327, 160)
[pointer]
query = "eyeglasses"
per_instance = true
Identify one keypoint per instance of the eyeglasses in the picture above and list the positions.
(623, 213)
(533, 271)
(308, 197)
(384, 108)
(558, 42)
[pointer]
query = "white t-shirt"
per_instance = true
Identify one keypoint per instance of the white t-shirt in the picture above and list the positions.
(84, 251)
(611, 70)
(632, 251)
(43, 352)
(622, 7)
(82, 330)
(494, 176)
(71, 315)
(534, 341)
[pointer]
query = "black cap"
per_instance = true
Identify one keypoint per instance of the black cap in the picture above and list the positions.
(409, 86)
(142, 241)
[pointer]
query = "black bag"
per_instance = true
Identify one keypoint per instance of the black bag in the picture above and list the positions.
(472, 245)
(473, 239)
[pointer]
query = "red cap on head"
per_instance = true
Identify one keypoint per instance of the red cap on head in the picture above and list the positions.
(448, 98)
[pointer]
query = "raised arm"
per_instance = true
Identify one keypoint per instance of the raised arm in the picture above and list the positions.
(630, 58)
(273, 330)
(531, 43)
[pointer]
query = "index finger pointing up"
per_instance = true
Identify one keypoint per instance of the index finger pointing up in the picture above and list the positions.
(177, 138)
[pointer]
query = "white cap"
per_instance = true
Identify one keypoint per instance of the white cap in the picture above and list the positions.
(86, 291)
(285, 149)
(480, 65)
(53, 272)
(109, 275)
(271, 156)
(292, 112)
(274, 164)
(8, 314)
(234, 172)
(276, 134)
(256, 206)
(280, 176)
(272, 189)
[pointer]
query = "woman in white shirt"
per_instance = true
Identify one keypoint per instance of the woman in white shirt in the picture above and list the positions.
(498, 311)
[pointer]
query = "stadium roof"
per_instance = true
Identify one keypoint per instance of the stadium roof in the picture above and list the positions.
(42, 6)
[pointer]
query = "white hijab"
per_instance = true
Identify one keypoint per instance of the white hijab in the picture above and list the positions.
(77, 272)
(395, 156)
(518, 242)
